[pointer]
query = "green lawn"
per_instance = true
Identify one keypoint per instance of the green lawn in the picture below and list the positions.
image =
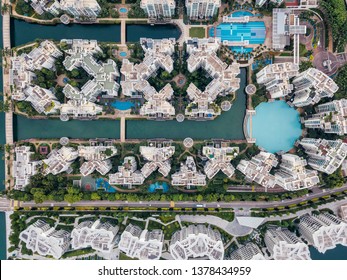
(197, 32)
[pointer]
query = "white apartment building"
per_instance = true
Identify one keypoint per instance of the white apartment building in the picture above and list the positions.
(59, 161)
(22, 75)
(96, 158)
(24, 167)
(324, 155)
(157, 104)
(45, 240)
(159, 8)
(275, 77)
(260, 3)
(42, 100)
(188, 175)
(105, 74)
(197, 241)
(219, 158)
(157, 55)
(81, 8)
(311, 86)
(127, 174)
(41, 6)
(293, 175)
(158, 155)
(141, 244)
(323, 231)
(285, 245)
(97, 235)
(202, 54)
(79, 109)
(250, 251)
(330, 117)
(258, 169)
(202, 9)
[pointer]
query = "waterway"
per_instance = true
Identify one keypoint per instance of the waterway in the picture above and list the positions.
(339, 253)
(23, 32)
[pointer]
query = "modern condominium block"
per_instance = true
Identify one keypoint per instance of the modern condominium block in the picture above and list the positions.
(157, 55)
(97, 235)
(42, 100)
(157, 105)
(188, 175)
(330, 117)
(24, 167)
(196, 241)
(248, 252)
(141, 244)
(79, 109)
(312, 85)
(324, 155)
(158, 154)
(96, 157)
(158, 8)
(275, 77)
(45, 240)
(59, 161)
(293, 175)
(105, 75)
(202, 9)
(202, 54)
(323, 231)
(258, 169)
(285, 245)
(260, 3)
(81, 8)
(127, 174)
(41, 6)
(219, 157)
(22, 75)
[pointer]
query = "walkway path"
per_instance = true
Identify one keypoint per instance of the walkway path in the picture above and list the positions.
(123, 32)
(6, 62)
(122, 129)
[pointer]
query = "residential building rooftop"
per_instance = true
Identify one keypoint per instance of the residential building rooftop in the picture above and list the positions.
(197, 241)
(141, 244)
(250, 251)
(323, 231)
(59, 161)
(97, 235)
(45, 240)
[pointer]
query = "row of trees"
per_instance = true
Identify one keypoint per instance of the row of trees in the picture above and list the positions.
(337, 19)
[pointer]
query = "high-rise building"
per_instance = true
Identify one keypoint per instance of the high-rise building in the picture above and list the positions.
(248, 252)
(159, 8)
(324, 155)
(45, 240)
(330, 117)
(81, 8)
(275, 78)
(293, 175)
(312, 85)
(323, 231)
(285, 245)
(200, 9)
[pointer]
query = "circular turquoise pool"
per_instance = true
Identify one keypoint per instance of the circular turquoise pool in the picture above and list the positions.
(123, 10)
(123, 54)
(276, 126)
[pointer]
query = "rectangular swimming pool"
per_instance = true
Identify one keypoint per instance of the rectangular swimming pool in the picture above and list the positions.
(254, 32)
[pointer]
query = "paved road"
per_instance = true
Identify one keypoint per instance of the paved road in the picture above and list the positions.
(189, 204)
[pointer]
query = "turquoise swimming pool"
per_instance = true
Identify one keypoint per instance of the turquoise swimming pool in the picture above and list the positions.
(102, 184)
(122, 105)
(123, 54)
(241, 49)
(276, 126)
(241, 14)
(158, 186)
(254, 32)
(123, 10)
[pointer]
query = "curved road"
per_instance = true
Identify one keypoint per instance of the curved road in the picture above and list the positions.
(189, 204)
